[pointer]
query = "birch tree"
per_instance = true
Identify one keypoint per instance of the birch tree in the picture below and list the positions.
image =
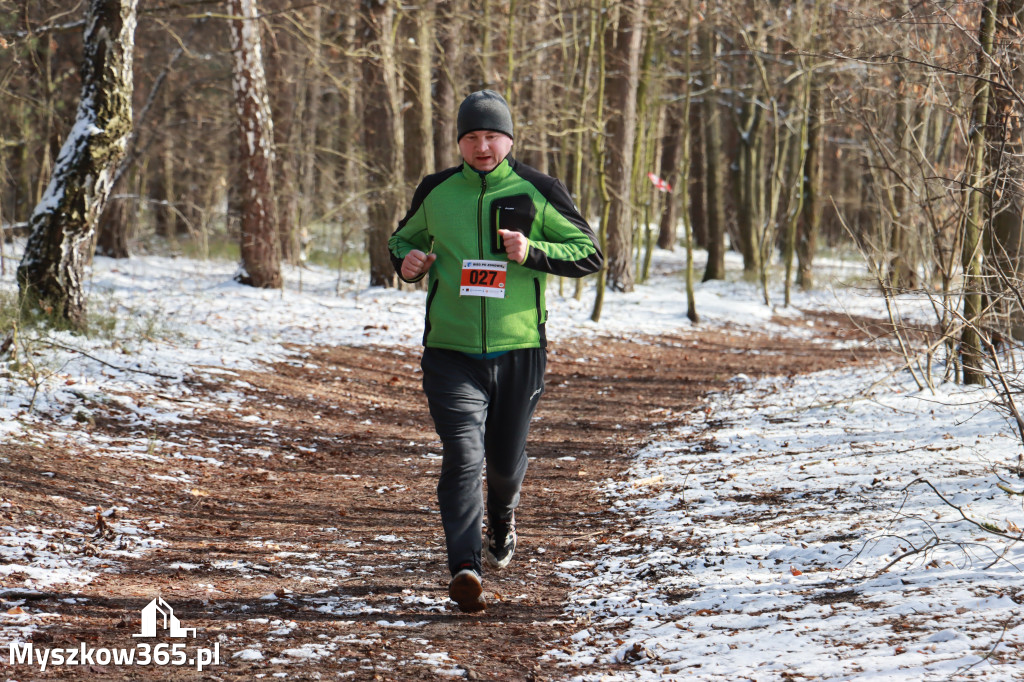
(63, 224)
(260, 247)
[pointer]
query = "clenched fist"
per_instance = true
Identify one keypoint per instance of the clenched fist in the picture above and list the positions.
(416, 263)
(516, 245)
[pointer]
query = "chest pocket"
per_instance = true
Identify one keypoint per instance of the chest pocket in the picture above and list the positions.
(514, 213)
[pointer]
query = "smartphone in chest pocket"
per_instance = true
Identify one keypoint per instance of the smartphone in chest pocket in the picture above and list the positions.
(515, 213)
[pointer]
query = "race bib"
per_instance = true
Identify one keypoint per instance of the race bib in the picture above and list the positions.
(483, 278)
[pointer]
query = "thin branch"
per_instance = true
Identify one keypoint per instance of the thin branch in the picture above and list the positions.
(72, 349)
(987, 528)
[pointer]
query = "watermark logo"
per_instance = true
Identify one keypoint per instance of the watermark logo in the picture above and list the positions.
(170, 622)
(157, 616)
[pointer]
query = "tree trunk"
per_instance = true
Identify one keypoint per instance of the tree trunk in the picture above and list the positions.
(383, 129)
(713, 159)
(581, 189)
(24, 195)
(309, 179)
(810, 224)
(1004, 240)
(487, 77)
(540, 92)
(451, 19)
(685, 164)
(112, 235)
(63, 223)
(697, 190)
(648, 130)
(289, 115)
(970, 339)
(800, 171)
(902, 265)
(350, 128)
(511, 84)
(260, 243)
(600, 150)
(623, 82)
(163, 191)
(425, 27)
(670, 172)
(750, 180)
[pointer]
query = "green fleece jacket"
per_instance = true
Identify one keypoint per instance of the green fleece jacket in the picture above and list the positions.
(456, 214)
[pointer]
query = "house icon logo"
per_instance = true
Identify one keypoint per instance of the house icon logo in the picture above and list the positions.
(153, 612)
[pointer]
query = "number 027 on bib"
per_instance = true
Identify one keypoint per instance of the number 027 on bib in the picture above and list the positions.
(483, 278)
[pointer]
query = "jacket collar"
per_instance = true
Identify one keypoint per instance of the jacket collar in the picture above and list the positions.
(500, 172)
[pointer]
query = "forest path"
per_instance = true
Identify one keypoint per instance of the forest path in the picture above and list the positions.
(299, 516)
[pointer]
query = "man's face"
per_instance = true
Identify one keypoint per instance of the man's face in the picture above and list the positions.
(484, 149)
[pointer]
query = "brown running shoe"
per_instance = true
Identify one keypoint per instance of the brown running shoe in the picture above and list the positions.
(466, 590)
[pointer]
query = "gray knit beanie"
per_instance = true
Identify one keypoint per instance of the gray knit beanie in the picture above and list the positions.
(484, 110)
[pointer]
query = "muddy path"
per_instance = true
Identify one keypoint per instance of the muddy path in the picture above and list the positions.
(297, 521)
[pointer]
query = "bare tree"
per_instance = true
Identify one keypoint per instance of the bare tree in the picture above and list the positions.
(425, 27)
(384, 136)
(810, 223)
(625, 42)
(64, 222)
(260, 245)
(1003, 242)
(970, 340)
(450, 20)
(714, 182)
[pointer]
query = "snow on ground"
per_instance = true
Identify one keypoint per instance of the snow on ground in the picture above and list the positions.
(711, 581)
(866, 574)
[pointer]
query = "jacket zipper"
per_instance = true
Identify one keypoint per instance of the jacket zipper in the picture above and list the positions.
(480, 251)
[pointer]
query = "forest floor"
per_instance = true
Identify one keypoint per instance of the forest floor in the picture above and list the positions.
(295, 523)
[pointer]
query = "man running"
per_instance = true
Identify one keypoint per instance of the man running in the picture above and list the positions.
(487, 233)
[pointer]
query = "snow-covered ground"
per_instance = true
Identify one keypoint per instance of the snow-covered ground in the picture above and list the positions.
(768, 541)
(712, 581)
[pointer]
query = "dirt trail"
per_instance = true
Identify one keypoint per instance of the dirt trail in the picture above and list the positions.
(300, 519)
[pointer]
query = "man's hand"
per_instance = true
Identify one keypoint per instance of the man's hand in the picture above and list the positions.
(516, 245)
(416, 263)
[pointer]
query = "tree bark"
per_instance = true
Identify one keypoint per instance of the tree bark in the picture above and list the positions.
(425, 24)
(450, 18)
(540, 91)
(260, 244)
(697, 213)
(288, 92)
(383, 129)
(1004, 240)
(623, 82)
(970, 339)
(903, 264)
(63, 223)
(714, 181)
(810, 224)
(350, 128)
(112, 230)
(675, 129)
(309, 180)
(601, 155)
(750, 179)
